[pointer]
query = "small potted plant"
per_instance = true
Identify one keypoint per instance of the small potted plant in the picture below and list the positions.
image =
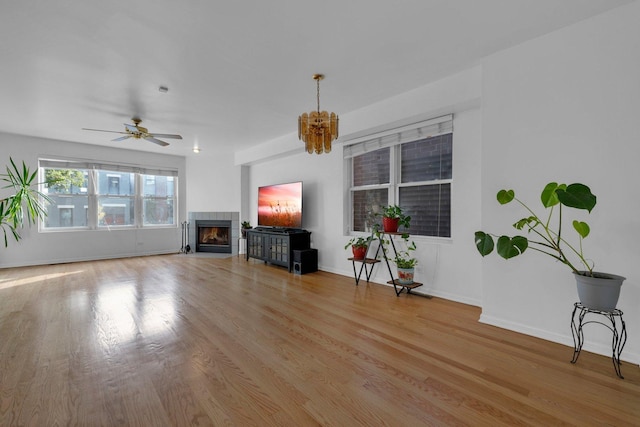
(406, 264)
(359, 246)
(596, 290)
(393, 217)
(245, 225)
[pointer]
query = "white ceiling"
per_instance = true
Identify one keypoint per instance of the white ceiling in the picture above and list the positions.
(239, 73)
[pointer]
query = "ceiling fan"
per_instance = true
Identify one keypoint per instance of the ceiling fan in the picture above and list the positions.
(138, 132)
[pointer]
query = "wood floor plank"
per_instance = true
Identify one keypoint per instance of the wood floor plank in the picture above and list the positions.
(190, 340)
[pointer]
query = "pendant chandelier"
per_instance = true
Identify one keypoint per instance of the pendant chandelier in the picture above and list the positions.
(318, 128)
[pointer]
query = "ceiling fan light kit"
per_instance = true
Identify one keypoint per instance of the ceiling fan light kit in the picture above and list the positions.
(318, 128)
(138, 132)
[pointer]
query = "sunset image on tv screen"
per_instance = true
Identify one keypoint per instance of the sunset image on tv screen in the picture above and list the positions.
(280, 205)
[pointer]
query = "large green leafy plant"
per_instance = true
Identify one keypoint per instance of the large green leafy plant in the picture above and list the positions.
(546, 231)
(25, 200)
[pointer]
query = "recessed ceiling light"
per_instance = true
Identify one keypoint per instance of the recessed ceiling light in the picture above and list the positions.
(196, 149)
(163, 89)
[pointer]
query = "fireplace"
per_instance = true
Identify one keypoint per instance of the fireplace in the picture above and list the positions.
(229, 220)
(213, 236)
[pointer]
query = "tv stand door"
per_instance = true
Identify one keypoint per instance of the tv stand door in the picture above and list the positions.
(279, 249)
(276, 248)
(256, 245)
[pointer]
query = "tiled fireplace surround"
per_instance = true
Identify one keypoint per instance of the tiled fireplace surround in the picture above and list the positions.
(234, 217)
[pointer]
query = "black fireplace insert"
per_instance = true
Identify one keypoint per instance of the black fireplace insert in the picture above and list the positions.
(213, 236)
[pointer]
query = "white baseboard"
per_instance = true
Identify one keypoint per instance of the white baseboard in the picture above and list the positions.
(565, 339)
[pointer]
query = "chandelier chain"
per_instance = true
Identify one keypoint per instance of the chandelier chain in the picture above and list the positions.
(318, 93)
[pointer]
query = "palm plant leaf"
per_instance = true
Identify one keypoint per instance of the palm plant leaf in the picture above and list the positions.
(26, 200)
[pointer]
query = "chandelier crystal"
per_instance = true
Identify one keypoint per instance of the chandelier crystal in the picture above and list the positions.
(318, 128)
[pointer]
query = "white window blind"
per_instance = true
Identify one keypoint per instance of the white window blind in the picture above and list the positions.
(388, 138)
(85, 164)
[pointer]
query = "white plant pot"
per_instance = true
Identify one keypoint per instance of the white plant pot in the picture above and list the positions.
(405, 275)
(600, 292)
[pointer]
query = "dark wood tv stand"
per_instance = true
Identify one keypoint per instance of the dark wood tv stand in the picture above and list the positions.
(276, 245)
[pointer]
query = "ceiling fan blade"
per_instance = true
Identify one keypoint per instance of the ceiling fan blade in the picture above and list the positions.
(156, 141)
(139, 132)
(131, 128)
(101, 130)
(166, 135)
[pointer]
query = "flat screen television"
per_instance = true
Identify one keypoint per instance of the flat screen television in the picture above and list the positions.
(280, 205)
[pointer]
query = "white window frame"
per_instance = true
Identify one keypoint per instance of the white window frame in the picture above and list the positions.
(393, 137)
(93, 196)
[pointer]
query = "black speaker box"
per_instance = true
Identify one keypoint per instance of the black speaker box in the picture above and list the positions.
(305, 261)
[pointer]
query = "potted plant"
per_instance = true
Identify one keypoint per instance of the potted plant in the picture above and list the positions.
(245, 225)
(393, 217)
(596, 290)
(359, 246)
(25, 200)
(406, 264)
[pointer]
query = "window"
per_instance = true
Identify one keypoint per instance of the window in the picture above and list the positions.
(116, 198)
(157, 200)
(69, 195)
(425, 184)
(411, 167)
(370, 189)
(92, 196)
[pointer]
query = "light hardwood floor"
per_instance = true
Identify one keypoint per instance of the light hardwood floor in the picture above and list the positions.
(184, 340)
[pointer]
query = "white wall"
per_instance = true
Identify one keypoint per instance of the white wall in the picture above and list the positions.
(322, 195)
(565, 107)
(450, 267)
(56, 247)
(214, 182)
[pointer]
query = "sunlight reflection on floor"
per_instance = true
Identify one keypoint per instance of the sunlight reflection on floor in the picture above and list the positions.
(10, 283)
(121, 314)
